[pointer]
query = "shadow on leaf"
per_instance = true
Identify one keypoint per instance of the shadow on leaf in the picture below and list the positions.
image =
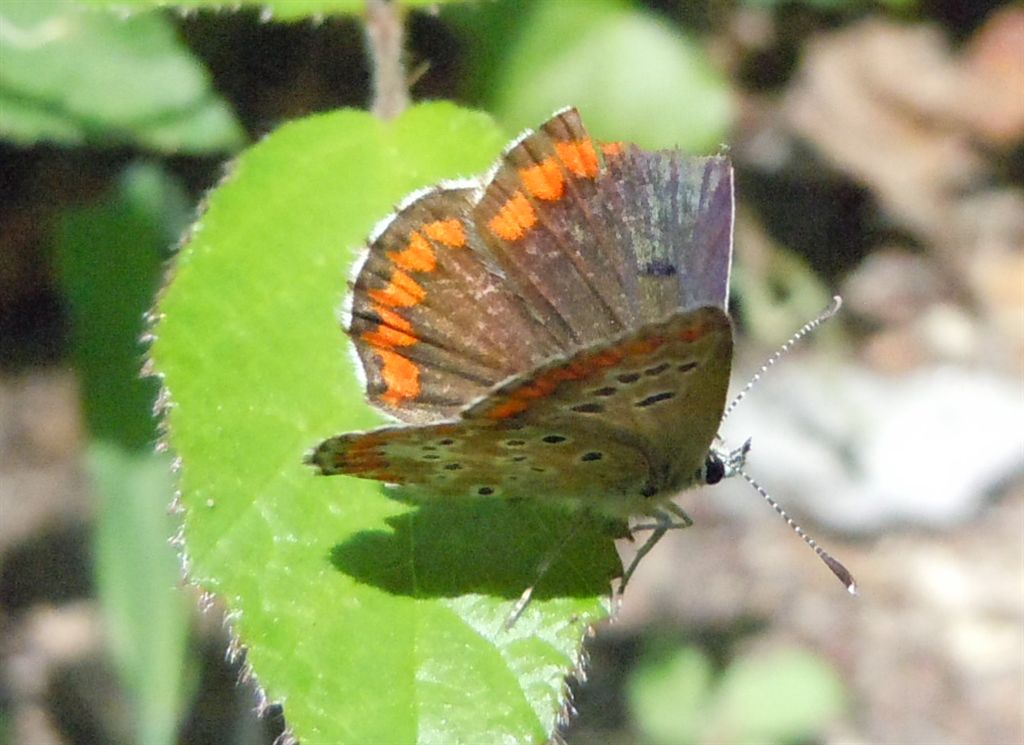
(491, 547)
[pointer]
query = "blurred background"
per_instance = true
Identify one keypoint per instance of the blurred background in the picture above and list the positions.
(879, 149)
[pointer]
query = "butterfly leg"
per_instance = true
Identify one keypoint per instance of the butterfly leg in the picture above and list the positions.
(542, 569)
(663, 524)
(685, 521)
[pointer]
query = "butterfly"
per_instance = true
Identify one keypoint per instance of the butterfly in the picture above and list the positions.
(554, 330)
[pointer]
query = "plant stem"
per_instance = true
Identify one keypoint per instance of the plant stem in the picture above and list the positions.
(385, 35)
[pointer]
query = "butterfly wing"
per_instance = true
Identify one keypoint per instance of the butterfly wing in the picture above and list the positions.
(573, 429)
(567, 244)
(604, 238)
(433, 324)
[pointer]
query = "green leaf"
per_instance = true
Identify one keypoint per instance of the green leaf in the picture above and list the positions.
(669, 695)
(836, 5)
(279, 10)
(633, 76)
(785, 695)
(371, 620)
(73, 75)
(147, 614)
(109, 259)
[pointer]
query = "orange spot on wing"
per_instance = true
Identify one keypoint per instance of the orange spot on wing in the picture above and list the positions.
(611, 149)
(572, 371)
(508, 408)
(607, 358)
(579, 157)
(449, 232)
(388, 477)
(361, 465)
(417, 256)
(360, 455)
(385, 337)
(392, 319)
(517, 400)
(639, 347)
(540, 388)
(401, 292)
(544, 180)
(515, 217)
(693, 333)
(367, 441)
(400, 375)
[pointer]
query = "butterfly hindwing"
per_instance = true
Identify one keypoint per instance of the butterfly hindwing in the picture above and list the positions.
(465, 459)
(659, 389)
(563, 431)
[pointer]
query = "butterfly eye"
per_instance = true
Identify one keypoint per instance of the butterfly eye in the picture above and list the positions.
(714, 469)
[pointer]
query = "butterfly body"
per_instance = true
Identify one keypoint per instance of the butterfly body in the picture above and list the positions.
(555, 331)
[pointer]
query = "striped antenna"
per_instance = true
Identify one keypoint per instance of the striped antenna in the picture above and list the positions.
(841, 572)
(803, 331)
(735, 460)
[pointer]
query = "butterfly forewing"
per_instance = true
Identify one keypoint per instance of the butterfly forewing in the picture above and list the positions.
(674, 215)
(567, 244)
(433, 324)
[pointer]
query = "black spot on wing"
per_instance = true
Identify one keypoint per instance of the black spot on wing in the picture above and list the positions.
(659, 268)
(657, 369)
(655, 398)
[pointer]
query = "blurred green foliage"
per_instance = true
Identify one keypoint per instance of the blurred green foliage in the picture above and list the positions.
(109, 258)
(835, 5)
(276, 10)
(775, 697)
(633, 76)
(74, 76)
(138, 577)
